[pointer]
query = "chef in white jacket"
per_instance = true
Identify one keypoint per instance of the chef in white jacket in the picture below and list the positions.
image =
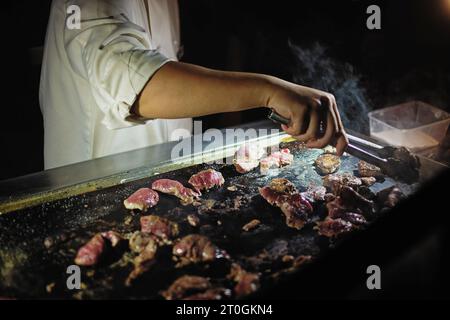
(114, 84)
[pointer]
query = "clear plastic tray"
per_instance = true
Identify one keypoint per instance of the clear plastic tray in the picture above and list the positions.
(415, 125)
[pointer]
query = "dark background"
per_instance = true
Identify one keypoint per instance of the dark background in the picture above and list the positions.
(407, 59)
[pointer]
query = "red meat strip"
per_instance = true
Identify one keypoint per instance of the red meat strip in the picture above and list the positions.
(295, 207)
(144, 261)
(160, 227)
(113, 237)
(276, 160)
(90, 253)
(184, 285)
(333, 227)
(196, 248)
(247, 157)
(206, 179)
(246, 282)
(142, 199)
(175, 188)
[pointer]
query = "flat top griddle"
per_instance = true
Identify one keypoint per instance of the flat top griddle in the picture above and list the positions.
(30, 270)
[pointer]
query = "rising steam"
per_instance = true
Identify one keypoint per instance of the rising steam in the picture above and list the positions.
(315, 69)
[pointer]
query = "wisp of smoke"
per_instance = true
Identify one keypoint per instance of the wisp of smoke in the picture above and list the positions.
(315, 69)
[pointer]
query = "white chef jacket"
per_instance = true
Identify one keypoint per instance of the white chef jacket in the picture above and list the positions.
(91, 77)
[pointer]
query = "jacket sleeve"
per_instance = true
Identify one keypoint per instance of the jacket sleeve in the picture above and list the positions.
(115, 56)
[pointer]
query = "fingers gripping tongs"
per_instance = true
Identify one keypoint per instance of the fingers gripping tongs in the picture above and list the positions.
(396, 162)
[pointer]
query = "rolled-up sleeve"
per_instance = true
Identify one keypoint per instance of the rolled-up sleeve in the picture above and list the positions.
(115, 57)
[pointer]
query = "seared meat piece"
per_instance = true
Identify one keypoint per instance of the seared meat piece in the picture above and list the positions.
(367, 170)
(246, 282)
(282, 193)
(160, 227)
(333, 227)
(247, 157)
(329, 197)
(186, 285)
(348, 206)
(90, 253)
(301, 260)
(390, 197)
(368, 181)
(144, 261)
(327, 163)
(206, 179)
(296, 209)
(314, 193)
(113, 237)
(282, 185)
(210, 294)
(276, 160)
(356, 202)
(193, 220)
(142, 199)
(175, 188)
(139, 240)
(196, 248)
(251, 225)
(337, 211)
(329, 149)
(402, 164)
(334, 182)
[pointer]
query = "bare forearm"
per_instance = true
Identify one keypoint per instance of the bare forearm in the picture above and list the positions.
(180, 90)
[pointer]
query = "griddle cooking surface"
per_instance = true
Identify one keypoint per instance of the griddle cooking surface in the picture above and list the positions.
(27, 267)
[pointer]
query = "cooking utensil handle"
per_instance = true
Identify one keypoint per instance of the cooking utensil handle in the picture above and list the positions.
(366, 156)
(275, 117)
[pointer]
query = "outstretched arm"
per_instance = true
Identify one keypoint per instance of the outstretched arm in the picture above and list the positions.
(180, 90)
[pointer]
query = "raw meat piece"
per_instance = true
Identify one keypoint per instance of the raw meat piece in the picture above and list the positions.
(142, 199)
(175, 188)
(206, 179)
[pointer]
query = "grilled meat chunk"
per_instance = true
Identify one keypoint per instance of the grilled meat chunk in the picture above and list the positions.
(368, 181)
(368, 170)
(282, 185)
(206, 179)
(276, 160)
(334, 182)
(139, 240)
(390, 197)
(246, 282)
(336, 210)
(296, 209)
(282, 193)
(327, 163)
(175, 188)
(247, 157)
(193, 220)
(185, 286)
(333, 227)
(251, 225)
(356, 202)
(162, 228)
(113, 237)
(90, 253)
(315, 193)
(142, 199)
(402, 164)
(144, 261)
(196, 248)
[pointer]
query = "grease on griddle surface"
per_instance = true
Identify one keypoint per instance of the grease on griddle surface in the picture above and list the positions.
(38, 244)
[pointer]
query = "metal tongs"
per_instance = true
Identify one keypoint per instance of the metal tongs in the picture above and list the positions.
(397, 162)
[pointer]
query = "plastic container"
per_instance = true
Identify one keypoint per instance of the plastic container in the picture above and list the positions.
(415, 125)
